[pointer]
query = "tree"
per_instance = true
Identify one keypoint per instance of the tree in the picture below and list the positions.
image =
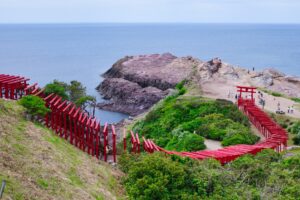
(86, 101)
(56, 88)
(34, 105)
(76, 90)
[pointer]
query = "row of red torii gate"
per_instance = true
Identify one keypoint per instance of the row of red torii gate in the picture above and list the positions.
(85, 132)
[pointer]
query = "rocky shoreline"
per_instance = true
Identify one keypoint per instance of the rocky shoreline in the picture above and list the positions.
(135, 83)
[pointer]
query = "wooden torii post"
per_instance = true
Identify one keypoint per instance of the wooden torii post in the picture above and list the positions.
(114, 145)
(105, 135)
(98, 141)
(246, 89)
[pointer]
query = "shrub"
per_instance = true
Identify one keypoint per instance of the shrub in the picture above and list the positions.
(296, 128)
(186, 141)
(34, 105)
(276, 94)
(296, 139)
(57, 89)
(155, 177)
(296, 99)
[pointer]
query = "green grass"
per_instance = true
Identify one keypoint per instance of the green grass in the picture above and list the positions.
(37, 164)
(42, 183)
(74, 178)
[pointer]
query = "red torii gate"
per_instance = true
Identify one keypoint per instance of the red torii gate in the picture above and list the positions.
(246, 89)
(12, 87)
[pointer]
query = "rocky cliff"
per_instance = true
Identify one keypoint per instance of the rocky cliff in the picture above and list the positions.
(135, 83)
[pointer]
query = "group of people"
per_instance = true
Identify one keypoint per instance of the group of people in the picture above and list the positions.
(291, 109)
(262, 101)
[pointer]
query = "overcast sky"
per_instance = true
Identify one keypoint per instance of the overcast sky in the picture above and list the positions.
(186, 11)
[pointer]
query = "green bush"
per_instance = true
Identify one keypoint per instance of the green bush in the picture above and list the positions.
(296, 128)
(155, 177)
(277, 94)
(296, 139)
(186, 141)
(296, 99)
(34, 105)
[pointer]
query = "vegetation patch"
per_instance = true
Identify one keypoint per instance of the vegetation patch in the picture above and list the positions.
(266, 176)
(182, 122)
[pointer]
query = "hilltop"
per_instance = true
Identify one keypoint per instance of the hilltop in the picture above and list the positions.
(37, 164)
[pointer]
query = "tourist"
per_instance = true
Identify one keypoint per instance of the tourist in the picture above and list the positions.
(288, 109)
(292, 110)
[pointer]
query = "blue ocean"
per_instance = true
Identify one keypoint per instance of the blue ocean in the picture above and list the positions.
(83, 52)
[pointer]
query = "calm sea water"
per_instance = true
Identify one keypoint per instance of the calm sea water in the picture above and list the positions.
(84, 51)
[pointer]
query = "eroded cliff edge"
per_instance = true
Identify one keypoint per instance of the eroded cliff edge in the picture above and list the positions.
(135, 83)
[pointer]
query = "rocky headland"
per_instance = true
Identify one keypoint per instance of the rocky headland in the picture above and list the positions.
(135, 83)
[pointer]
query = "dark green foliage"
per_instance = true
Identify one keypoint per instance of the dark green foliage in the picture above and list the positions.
(296, 99)
(34, 105)
(296, 139)
(83, 101)
(276, 94)
(296, 128)
(265, 176)
(177, 118)
(180, 87)
(186, 141)
(76, 91)
(56, 88)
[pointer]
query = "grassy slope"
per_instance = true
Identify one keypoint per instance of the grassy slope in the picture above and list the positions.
(39, 165)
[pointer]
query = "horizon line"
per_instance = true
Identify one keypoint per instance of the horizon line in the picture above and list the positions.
(207, 23)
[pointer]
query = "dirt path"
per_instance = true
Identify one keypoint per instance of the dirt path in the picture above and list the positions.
(212, 144)
(227, 90)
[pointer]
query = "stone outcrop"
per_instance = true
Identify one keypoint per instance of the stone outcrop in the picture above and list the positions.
(128, 97)
(135, 83)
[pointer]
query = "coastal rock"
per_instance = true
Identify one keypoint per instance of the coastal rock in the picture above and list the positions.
(128, 97)
(262, 79)
(135, 83)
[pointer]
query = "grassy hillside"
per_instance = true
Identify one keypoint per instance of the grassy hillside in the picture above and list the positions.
(39, 165)
(180, 123)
